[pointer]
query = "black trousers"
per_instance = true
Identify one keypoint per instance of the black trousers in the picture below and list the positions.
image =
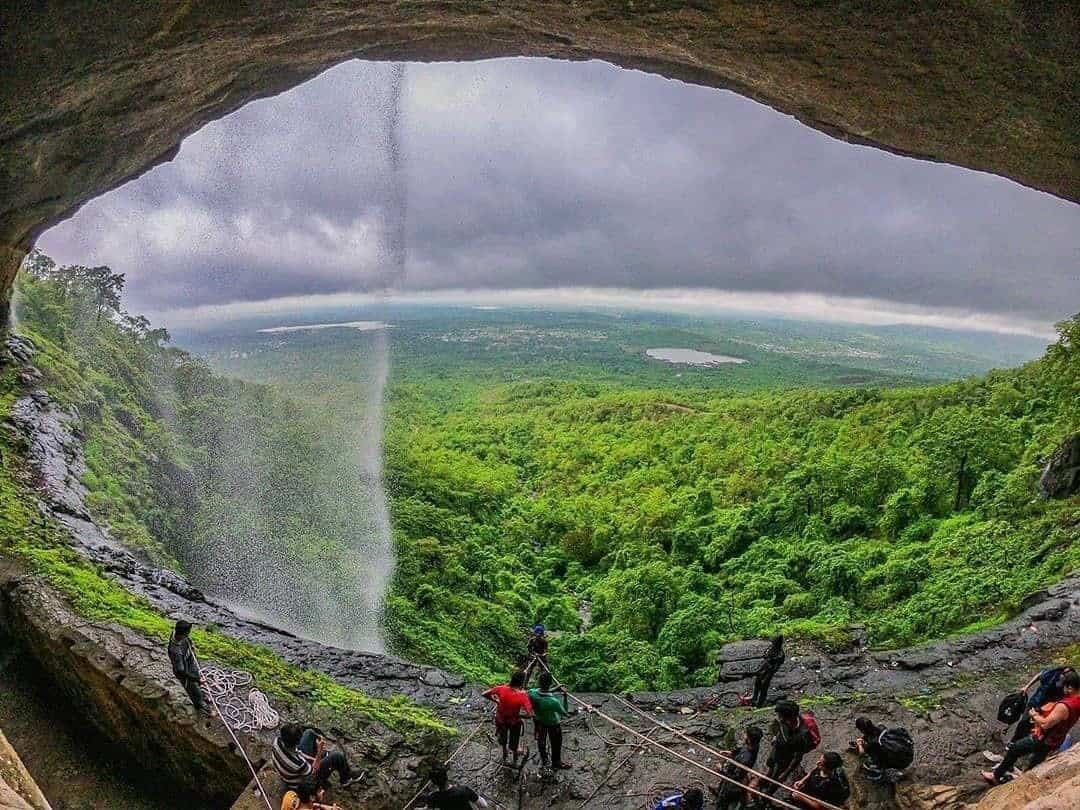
(331, 761)
(781, 764)
(1023, 727)
(554, 734)
(509, 735)
(195, 692)
(1028, 745)
(761, 689)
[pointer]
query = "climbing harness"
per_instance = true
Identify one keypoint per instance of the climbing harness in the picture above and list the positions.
(253, 714)
(645, 740)
(236, 741)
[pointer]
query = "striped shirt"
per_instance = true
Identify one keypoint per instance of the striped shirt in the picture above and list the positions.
(292, 766)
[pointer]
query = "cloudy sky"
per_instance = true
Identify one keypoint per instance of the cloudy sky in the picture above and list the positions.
(518, 175)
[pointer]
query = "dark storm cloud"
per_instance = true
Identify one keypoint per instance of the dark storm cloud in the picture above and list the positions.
(528, 173)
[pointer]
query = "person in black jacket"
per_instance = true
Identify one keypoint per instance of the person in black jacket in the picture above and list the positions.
(730, 796)
(448, 796)
(185, 667)
(772, 662)
(793, 740)
(827, 782)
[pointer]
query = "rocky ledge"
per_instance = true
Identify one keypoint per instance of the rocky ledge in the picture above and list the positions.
(18, 791)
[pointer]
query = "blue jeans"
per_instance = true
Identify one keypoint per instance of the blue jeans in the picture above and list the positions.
(331, 761)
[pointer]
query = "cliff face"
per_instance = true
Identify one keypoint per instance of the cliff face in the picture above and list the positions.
(1055, 785)
(17, 788)
(119, 682)
(89, 99)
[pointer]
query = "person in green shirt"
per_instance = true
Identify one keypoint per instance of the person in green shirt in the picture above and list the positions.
(549, 708)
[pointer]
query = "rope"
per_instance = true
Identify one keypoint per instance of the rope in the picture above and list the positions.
(715, 753)
(688, 760)
(239, 747)
(449, 759)
(250, 715)
(614, 770)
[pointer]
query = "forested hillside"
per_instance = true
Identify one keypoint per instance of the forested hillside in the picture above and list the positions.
(644, 526)
(226, 480)
(648, 527)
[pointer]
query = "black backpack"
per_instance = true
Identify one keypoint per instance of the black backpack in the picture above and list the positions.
(897, 747)
(1012, 707)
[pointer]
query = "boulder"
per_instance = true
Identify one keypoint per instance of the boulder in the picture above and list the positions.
(1054, 785)
(1061, 475)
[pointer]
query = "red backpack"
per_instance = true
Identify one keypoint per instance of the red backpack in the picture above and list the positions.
(812, 728)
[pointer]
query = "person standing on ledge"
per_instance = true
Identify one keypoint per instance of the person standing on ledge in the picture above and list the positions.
(511, 706)
(537, 652)
(185, 667)
(774, 659)
(549, 709)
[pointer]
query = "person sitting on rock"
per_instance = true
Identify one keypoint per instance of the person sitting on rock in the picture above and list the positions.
(883, 749)
(548, 711)
(300, 754)
(308, 795)
(1050, 688)
(185, 667)
(1051, 724)
(792, 741)
(448, 796)
(827, 783)
(692, 799)
(511, 707)
(731, 796)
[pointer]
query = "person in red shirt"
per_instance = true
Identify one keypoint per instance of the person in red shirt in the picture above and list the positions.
(1051, 724)
(512, 707)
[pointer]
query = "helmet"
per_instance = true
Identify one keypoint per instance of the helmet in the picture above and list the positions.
(539, 630)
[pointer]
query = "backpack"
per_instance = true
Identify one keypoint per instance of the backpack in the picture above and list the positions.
(1047, 691)
(897, 747)
(812, 729)
(1012, 707)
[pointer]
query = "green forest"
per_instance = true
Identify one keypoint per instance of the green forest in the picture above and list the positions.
(685, 519)
(645, 525)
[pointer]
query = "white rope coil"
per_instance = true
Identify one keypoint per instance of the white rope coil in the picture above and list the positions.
(249, 713)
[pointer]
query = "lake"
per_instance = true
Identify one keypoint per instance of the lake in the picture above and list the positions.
(692, 357)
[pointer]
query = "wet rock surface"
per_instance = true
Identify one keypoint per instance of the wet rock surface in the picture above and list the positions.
(1061, 476)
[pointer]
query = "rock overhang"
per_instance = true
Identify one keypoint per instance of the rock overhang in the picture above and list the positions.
(89, 100)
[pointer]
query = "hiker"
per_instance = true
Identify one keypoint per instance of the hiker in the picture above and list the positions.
(692, 799)
(448, 796)
(185, 667)
(827, 782)
(773, 660)
(1050, 688)
(308, 795)
(537, 652)
(300, 754)
(1050, 725)
(512, 704)
(548, 710)
(796, 736)
(882, 749)
(730, 796)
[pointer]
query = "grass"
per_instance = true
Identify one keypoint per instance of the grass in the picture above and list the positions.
(39, 544)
